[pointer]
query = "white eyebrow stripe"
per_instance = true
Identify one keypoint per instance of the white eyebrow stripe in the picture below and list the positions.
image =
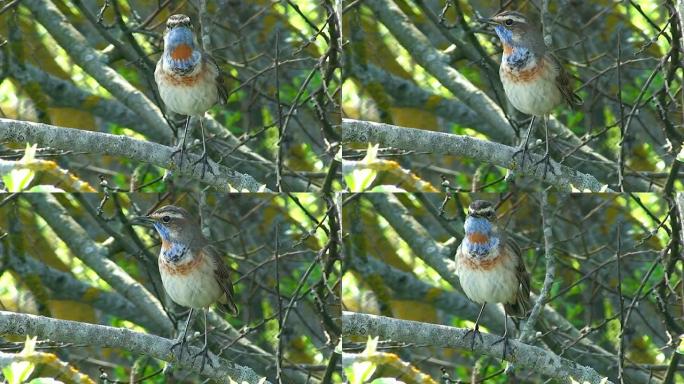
(517, 18)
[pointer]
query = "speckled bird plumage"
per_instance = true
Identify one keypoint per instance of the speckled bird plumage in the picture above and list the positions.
(490, 267)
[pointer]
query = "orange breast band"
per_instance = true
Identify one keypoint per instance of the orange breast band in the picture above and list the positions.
(478, 238)
(181, 52)
(165, 245)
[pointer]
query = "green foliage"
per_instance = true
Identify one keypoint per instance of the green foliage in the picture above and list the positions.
(19, 371)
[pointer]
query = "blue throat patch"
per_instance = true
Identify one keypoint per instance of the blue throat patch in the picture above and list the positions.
(479, 225)
(518, 58)
(176, 37)
(176, 252)
(163, 231)
(504, 34)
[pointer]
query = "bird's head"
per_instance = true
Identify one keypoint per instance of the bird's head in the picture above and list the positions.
(482, 209)
(480, 234)
(516, 30)
(174, 224)
(181, 51)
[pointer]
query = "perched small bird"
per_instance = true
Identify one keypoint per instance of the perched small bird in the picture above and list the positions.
(188, 79)
(534, 80)
(192, 272)
(490, 267)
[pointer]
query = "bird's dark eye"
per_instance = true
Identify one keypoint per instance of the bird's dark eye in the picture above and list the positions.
(508, 22)
(166, 219)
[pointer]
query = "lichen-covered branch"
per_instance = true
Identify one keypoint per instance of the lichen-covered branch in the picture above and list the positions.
(65, 94)
(564, 178)
(65, 287)
(436, 63)
(141, 343)
(523, 355)
(94, 256)
(405, 286)
(549, 276)
(93, 62)
(106, 144)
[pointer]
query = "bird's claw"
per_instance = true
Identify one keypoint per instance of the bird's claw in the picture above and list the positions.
(181, 343)
(179, 149)
(547, 165)
(204, 159)
(506, 345)
(205, 357)
(522, 150)
(476, 333)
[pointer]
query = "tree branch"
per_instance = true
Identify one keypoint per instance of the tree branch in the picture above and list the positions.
(136, 342)
(565, 179)
(528, 328)
(438, 65)
(94, 256)
(102, 143)
(95, 64)
(65, 287)
(523, 355)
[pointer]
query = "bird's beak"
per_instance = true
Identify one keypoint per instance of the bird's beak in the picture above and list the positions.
(142, 220)
(487, 21)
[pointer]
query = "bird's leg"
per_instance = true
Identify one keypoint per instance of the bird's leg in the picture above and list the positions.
(547, 157)
(181, 147)
(504, 339)
(523, 149)
(476, 329)
(181, 340)
(203, 159)
(205, 350)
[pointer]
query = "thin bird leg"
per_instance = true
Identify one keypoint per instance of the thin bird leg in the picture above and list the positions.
(476, 329)
(181, 341)
(504, 339)
(523, 149)
(203, 159)
(547, 157)
(205, 350)
(181, 148)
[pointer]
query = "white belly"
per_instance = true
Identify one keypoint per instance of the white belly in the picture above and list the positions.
(496, 285)
(185, 99)
(536, 97)
(196, 289)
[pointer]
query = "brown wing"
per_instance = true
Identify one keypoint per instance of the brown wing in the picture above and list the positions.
(222, 91)
(522, 301)
(222, 275)
(563, 82)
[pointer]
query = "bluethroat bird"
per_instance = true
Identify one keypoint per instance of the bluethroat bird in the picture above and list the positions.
(534, 80)
(192, 272)
(188, 79)
(490, 267)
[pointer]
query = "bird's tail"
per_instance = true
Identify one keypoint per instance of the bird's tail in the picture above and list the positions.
(521, 308)
(229, 307)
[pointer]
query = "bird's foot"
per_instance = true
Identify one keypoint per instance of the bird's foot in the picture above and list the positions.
(522, 150)
(180, 342)
(506, 345)
(547, 165)
(204, 159)
(476, 333)
(179, 149)
(205, 357)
